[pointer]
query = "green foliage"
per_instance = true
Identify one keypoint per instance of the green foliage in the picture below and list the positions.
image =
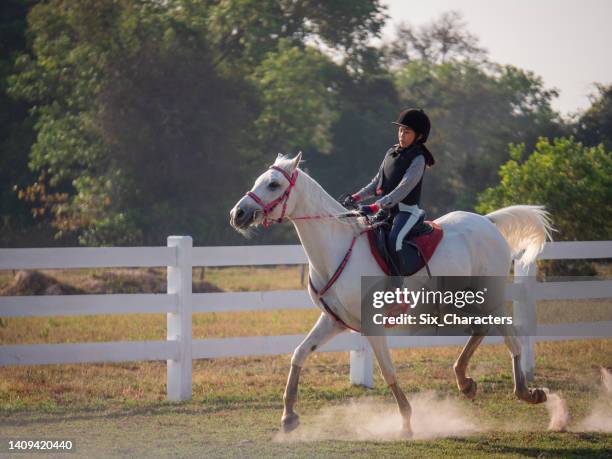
(298, 97)
(133, 102)
(367, 103)
(140, 119)
(574, 182)
(132, 120)
(141, 107)
(595, 124)
(476, 111)
(244, 31)
(444, 39)
(16, 131)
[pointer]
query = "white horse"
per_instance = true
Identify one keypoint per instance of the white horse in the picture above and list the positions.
(473, 245)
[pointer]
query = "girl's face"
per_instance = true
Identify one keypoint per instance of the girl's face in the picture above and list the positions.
(406, 136)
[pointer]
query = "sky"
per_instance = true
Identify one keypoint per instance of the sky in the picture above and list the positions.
(566, 42)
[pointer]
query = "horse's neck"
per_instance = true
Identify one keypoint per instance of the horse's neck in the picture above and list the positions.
(326, 240)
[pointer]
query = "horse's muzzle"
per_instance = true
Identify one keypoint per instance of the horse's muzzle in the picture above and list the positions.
(241, 218)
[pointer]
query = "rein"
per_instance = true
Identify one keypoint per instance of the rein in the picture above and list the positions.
(268, 208)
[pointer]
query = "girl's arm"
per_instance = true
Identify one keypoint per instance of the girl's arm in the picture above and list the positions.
(370, 189)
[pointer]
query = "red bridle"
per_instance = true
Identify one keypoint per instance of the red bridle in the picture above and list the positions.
(268, 208)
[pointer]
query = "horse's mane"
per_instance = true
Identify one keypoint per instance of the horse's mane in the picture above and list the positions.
(327, 204)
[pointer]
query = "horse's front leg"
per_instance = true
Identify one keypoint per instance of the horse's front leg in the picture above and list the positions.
(381, 350)
(324, 330)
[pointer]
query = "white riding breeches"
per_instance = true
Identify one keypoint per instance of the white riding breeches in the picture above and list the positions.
(415, 214)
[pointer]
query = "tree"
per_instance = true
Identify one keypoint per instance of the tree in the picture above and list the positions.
(440, 41)
(298, 95)
(16, 132)
(143, 107)
(242, 32)
(132, 120)
(367, 103)
(477, 107)
(595, 124)
(476, 112)
(573, 181)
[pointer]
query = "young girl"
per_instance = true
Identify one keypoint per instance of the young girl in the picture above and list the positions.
(400, 176)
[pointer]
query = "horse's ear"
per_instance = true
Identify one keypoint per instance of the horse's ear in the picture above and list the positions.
(279, 156)
(295, 162)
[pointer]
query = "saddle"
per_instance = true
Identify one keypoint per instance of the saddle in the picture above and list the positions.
(417, 249)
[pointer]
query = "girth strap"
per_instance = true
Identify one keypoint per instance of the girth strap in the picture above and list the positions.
(327, 308)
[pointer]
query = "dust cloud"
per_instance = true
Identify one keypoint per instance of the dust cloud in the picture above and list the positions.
(600, 417)
(433, 416)
(557, 409)
(367, 419)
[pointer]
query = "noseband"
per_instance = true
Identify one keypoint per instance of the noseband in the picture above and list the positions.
(269, 208)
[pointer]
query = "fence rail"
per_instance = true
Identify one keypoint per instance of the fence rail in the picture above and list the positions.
(179, 258)
(82, 305)
(87, 257)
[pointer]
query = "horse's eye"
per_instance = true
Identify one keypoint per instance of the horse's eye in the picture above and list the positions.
(273, 185)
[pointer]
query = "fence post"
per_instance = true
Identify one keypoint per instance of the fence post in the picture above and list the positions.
(179, 324)
(362, 365)
(525, 314)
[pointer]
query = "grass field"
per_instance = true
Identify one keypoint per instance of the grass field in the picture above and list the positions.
(113, 410)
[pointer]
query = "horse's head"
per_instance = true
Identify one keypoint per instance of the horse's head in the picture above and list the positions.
(270, 199)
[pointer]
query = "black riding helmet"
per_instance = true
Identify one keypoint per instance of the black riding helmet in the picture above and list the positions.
(418, 121)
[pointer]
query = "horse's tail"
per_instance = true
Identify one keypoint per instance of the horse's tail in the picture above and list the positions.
(525, 228)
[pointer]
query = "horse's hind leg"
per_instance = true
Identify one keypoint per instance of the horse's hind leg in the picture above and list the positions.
(324, 330)
(465, 384)
(381, 350)
(520, 383)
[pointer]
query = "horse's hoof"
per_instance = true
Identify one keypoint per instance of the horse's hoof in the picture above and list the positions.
(537, 396)
(290, 422)
(470, 389)
(406, 433)
(533, 396)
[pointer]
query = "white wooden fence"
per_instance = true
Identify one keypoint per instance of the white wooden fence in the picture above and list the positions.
(179, 303)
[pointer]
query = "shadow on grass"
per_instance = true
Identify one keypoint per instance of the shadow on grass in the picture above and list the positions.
(191, 408)
(543, 444)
